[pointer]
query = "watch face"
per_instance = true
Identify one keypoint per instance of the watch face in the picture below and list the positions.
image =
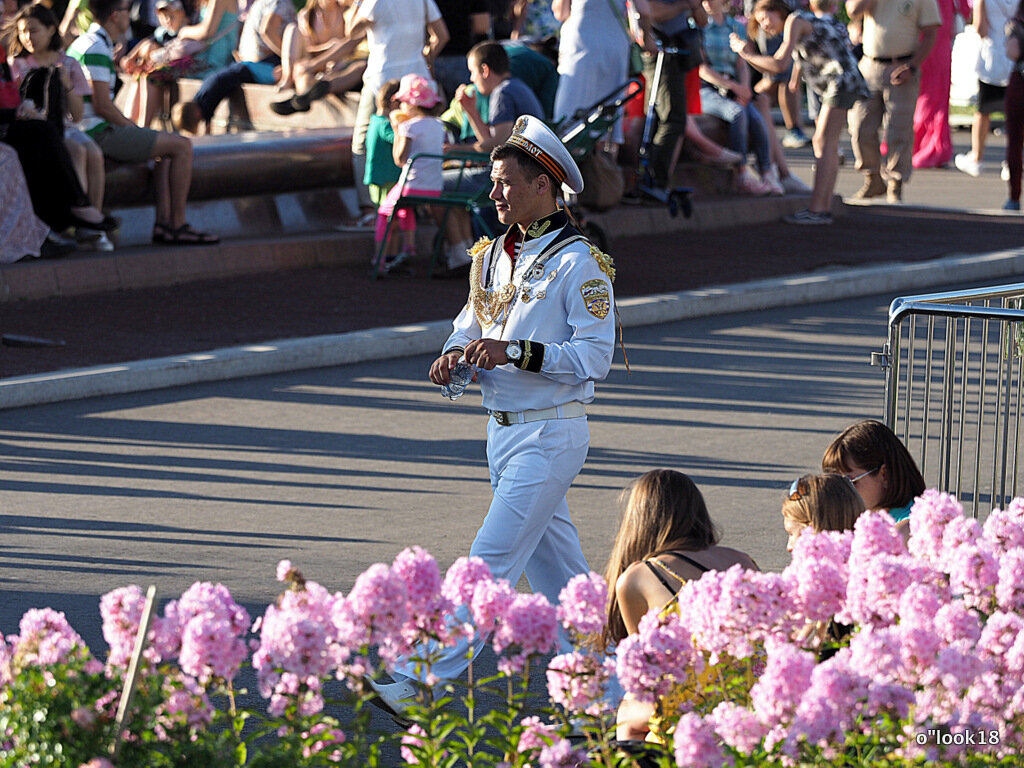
(512, 351)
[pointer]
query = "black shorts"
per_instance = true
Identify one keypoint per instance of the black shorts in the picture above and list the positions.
(990, 97)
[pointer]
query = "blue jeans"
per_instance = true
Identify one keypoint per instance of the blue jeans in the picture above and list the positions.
(222, 83)
(746, 127)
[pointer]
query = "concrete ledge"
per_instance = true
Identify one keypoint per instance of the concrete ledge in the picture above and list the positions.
(383, 343)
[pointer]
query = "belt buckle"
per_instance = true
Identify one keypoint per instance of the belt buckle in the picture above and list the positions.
(502, 418)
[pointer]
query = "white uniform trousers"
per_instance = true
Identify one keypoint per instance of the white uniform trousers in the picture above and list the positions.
(527, 528)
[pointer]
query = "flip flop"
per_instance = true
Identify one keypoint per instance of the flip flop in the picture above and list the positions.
(186, 235)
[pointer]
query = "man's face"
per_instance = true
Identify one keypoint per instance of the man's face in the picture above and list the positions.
(121, 18)
(517, 199)
(478, 76)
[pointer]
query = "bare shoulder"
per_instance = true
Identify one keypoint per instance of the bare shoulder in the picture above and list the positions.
(730, 557)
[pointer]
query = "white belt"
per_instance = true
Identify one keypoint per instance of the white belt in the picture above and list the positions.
(570, 410)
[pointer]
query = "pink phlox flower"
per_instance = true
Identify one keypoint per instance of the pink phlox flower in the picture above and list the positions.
(831, 704)
(210, 649)
(932, 512)
(412, 739)
(529, 628)
(492, 599)
(1010, 585)
(876, 585)
(1002, 633)
(185, 706)
(658, 656)
(956, 667)
(535, 734)
(974, 574)
(583, 604)
(298, 638)
(378, 604)
(695, 744)
(818, 575)
(874, 535)
(561, 754)
(121, 610)
(1004, 528)
(204, 597)
(428, 607)
(213, 629)
(737, 726)
(576, 682)
(45, 637)
(787, 675)
(284, 568)
(97, 762)
(323, 738)
(732, 611)
(955, 621)
(5, 662)
(462, 577)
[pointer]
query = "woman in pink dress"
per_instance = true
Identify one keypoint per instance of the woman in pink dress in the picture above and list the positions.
(933, 146)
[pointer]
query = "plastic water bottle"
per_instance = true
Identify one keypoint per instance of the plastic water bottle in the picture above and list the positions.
(458, 379)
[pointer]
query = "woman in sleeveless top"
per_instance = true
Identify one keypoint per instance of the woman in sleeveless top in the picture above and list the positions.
(665, 538)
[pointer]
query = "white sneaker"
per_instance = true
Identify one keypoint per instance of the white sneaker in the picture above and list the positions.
(808, 217)
(103, 243)
(771, 179)
(968, 164)
(1004, 171)
(794, 186)
(749, 184)
(393, 698)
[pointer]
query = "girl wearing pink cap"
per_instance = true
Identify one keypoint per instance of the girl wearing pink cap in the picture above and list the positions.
(417, 131)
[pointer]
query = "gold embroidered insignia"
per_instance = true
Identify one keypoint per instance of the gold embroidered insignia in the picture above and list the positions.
(537, 228)
(604, 261)
(596, 298)
(520, 125)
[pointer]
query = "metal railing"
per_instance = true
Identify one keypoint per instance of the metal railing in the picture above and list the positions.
(954, 381)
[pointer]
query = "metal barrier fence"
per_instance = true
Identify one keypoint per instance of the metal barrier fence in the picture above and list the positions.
(954, 380)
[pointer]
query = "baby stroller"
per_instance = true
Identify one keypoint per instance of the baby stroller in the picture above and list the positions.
(580, 133)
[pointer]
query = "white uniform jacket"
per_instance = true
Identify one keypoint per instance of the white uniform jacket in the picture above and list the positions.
(561, 304)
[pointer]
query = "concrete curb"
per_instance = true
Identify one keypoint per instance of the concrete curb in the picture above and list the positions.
(386, 343)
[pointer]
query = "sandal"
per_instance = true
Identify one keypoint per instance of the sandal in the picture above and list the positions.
(161, 233)
(186, 235)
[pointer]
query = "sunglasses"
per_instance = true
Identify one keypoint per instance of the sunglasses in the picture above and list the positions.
(800, 488)
(865, 474)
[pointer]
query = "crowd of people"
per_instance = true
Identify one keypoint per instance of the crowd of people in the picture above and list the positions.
(882, 73)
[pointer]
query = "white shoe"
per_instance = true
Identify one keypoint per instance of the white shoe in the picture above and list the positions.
(103, 243)
(968, 165)
(771, 179)
(393, 698)
(749, 184)
(1004, 171)
(794, 186)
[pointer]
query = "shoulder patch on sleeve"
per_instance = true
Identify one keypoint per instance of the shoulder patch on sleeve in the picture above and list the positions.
(596, 298)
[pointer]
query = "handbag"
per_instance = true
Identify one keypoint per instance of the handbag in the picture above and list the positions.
(43, 88)
(603, 184)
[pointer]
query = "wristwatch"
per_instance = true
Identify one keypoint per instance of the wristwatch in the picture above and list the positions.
(513, 352)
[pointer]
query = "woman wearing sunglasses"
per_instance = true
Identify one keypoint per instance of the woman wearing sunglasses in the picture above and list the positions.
(879, 465)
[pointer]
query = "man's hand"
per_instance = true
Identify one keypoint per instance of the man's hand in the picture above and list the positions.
(486, 353)
(900, 74)
(440, 370)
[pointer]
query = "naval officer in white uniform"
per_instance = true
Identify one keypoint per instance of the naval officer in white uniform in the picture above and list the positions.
(540, 326)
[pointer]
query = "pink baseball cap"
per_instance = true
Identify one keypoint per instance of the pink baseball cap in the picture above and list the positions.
(417, 90)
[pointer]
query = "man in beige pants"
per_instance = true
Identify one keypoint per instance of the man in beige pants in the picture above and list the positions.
(898, 35)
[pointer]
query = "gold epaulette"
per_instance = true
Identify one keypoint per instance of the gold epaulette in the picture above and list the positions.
(604, 261)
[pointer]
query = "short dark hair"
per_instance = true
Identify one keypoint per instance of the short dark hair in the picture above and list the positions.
(44, 16)
(104, 9)
(528, 165)
(492, 54)
(870, 445)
